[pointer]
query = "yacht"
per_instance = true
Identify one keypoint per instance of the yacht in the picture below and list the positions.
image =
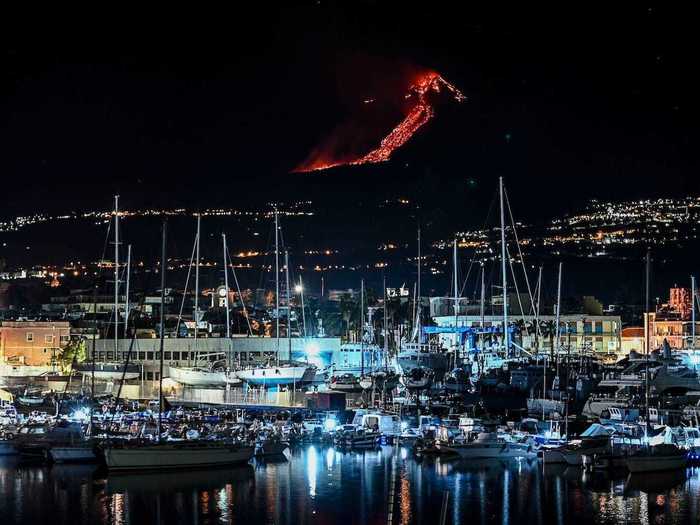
(491, 445)
(414, 355)
(418, 378)
(345, 383)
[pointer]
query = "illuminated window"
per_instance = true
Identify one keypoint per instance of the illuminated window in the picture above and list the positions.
(30, 337)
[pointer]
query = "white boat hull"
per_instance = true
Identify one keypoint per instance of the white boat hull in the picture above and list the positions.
(274, 376)
(194, 377)
(17, 371)
(175, 456)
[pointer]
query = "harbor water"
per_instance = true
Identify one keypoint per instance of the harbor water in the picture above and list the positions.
(322, 485)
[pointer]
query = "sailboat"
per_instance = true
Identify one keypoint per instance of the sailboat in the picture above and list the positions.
(215, 374)
(279, 373)
(177, 455)
(113, 370)
(653, 458)
(382, 378)
(415, 353)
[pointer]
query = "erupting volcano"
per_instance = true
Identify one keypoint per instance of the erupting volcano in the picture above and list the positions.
(419, 110)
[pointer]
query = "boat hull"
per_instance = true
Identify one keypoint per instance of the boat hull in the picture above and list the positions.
(85, 454)
(174, 457)
(489, 450)
(274, 376)
(193, 377)
(655, 463)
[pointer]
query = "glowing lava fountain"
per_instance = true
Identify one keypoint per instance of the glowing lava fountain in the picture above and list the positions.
(419, 113)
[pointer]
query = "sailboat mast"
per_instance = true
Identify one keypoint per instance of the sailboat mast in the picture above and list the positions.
(303, 310)
(163, 268)
(228, 322)
(289, 304)
(506, 335)
(482, 299)
(692, 312)
(116, 274)
(647, 326)
(418, 319)
(537, 312)
(126, 304)
(558, 314)
(386, 325)
(362, 327)
(277, 285)
(196, 289)
(456, 293)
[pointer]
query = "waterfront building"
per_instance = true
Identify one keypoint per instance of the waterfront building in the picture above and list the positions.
(34, 343)
(633, 339)
(594, 333)
(672, 322)
(243, 351)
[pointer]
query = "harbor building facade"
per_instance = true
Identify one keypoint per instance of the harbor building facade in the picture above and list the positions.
(33, 343)
(600, 334)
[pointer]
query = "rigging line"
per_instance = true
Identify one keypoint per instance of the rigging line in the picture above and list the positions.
(515, 283)
(184, 293)
(238, 288)
(522, 260)
(520, 253)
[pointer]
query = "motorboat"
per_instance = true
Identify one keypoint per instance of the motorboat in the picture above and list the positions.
(356, 437)
(418, 378)
(491, 445)
(269, 443)
(345, 383)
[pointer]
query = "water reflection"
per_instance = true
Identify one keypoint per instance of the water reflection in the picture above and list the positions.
(323, 485)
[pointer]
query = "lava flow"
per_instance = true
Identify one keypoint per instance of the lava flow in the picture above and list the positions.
(420, 111)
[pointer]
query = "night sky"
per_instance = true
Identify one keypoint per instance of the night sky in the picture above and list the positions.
(218, 107)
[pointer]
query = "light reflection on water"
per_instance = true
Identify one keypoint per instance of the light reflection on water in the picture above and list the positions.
(322, 485)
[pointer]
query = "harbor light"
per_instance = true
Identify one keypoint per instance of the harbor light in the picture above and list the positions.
(298, 288)
(329, 424)
(80, 414)
(311, 349)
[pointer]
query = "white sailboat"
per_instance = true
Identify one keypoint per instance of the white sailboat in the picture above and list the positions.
(279, 373)
(215, 374)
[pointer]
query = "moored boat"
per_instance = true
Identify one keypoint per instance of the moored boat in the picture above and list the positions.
(176, 455)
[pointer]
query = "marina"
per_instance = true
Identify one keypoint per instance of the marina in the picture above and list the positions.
(351, 263)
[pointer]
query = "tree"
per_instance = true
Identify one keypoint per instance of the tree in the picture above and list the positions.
(74, 352)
